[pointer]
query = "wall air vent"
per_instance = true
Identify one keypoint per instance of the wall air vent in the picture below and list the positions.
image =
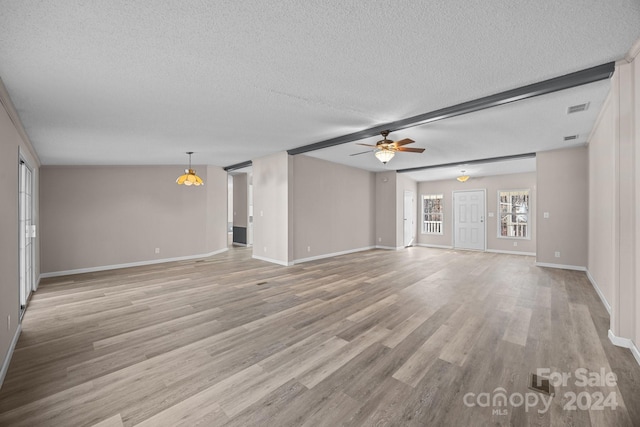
(577, 108)
(571, 137)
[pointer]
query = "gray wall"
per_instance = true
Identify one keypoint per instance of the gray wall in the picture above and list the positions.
(563, 191)
(333, 208)
(386, 209)
(13, 143)
(240, 200)
(102, 216)
(602, 191)
(272, 237)
(491, 184)
(614, 195)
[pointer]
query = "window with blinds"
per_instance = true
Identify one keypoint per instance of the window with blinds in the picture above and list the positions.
(432, 205)
(513, 206)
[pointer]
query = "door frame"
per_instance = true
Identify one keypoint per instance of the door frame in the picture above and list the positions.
(32, 283)
(453, 218)
(412, 216)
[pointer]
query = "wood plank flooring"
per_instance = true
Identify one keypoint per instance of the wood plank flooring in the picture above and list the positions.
(374, 338)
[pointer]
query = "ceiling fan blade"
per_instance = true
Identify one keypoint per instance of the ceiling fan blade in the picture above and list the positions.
(411, 150)
(364, 152)
(366, 145)
(404, 142)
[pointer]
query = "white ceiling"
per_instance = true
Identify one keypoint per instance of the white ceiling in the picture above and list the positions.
(124, 82)
(528, 126)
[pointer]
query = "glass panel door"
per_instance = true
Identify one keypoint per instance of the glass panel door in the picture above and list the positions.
(27, 233)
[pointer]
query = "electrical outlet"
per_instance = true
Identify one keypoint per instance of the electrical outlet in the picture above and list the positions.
(265, 249)
(490, 214)
(515, 243)
(308, 248)
(379, 239)
(8, 322)
(157, 250)
(557, 254)
(545, 215)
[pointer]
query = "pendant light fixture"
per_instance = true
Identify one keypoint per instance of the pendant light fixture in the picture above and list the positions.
(189, 177)
(463, 177)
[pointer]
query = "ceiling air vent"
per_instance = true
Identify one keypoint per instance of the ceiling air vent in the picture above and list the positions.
(577, 108)
(571, 137)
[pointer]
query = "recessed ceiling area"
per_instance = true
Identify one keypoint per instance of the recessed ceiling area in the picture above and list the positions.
(141, 83)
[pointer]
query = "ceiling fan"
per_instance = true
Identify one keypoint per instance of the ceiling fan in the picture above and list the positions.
(385, 149)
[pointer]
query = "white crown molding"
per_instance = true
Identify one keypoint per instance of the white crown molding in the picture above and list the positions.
(6, 102)
(633, 52)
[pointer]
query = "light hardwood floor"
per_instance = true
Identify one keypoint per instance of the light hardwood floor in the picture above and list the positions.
(374, 338)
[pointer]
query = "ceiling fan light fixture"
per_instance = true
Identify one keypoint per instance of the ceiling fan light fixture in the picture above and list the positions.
(189, 178)
(384, 155)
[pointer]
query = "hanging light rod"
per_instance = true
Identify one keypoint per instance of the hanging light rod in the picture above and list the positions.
(189, 177)
(471, 162)
(579, 78)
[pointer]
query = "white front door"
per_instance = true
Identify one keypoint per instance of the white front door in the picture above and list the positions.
(409, 217)
(468, 221)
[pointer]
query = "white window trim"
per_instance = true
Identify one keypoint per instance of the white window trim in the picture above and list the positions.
(499, 223)
(422, 198)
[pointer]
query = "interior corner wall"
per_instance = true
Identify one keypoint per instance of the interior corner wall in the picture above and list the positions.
(100, 217)
(216, 188)
(601, 263)
(614, 192)
(491, 184)
(386, 210)
(404, 183)
(272, 237)
(563, 192)
(13, 144)
(333, 208)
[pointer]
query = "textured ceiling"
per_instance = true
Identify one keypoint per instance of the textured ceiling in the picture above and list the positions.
(124, 82)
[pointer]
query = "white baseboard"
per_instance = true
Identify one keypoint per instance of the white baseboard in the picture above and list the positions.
(626, 343)
(599, 292)
(388, 248)
(349, 251)
(129, 264)
(561, 266)
(496, 251)
(273, 261)
(426, 245)
(7, 358)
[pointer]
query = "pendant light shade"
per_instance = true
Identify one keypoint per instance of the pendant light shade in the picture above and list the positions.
(189, 177)
(384, 155)
(463, 177)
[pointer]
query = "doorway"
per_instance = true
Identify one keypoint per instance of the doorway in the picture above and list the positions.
(27, 233)
(409, 217)
(468, 223)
